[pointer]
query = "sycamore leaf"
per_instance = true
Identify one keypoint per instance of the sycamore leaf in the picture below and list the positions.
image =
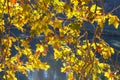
(113, 20)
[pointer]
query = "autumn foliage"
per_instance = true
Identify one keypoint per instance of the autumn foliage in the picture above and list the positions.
(63, 24)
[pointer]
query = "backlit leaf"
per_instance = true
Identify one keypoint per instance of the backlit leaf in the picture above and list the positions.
(13, 1)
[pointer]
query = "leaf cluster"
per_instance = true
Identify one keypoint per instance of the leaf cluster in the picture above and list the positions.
(62, 23)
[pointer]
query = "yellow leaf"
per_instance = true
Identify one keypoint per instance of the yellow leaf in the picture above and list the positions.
(81, 63)
(16, 47)
(39, 48)
(2, 1)
(44, 66)
(116, 24)
(99, 70)
(71, 76)
(91, 53)
(57, 54)
(112, 50)
(12, 38)
(0, 69)
(113, 20)
(30, 67)
(93, 8)
(109, 75)
(95, 77)
(72, 59)
(69, 14)
(79, 52)
(20, 68)
(65, 69)
(94, 45)
(101, 65)
(106, 74)
(84, 46)
(27, 51)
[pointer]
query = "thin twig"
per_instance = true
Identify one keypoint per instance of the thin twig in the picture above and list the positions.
(115, 9)
(103, 7)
